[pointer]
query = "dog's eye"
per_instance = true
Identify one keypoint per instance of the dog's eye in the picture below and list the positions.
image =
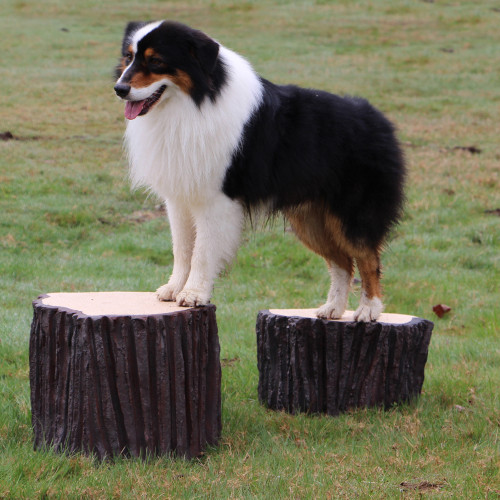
(128, 57)
(155, 62)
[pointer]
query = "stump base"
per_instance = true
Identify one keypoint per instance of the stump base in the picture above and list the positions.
(120, 373)
(312, 365)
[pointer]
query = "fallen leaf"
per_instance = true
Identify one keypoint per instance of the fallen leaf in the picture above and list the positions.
(441, 310)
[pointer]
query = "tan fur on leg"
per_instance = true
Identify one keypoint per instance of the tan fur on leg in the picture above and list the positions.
(323, 233)
(370, 306)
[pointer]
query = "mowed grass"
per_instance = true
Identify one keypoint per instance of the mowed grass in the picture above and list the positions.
(69, 222)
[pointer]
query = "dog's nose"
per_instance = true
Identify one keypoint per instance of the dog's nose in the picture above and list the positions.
(122, 89)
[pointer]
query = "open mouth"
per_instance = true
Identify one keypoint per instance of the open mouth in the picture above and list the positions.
(133, 109)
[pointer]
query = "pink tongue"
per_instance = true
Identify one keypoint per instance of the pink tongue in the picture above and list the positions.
(133, 108)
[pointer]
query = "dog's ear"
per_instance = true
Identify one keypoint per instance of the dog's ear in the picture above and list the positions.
(205, 50)
(130, 29)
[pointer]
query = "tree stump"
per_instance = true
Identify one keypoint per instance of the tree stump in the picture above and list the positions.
(121, 373)
(312, 365)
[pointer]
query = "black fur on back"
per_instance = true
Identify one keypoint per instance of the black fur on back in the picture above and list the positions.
(305, 145)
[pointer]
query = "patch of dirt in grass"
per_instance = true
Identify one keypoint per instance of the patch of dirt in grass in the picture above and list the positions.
(495, 211)
(230, 362)
(468, 149)
(9, 136)
(141, 216)
(421, 486)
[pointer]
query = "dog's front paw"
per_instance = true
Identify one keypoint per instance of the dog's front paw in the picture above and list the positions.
(167, 292)
(368, 310)
(330, 310)
(192, 298)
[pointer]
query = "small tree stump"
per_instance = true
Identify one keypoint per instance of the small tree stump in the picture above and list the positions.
(312, 365)
(116, 373)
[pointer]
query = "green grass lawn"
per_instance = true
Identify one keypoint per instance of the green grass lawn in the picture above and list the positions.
(69, 222)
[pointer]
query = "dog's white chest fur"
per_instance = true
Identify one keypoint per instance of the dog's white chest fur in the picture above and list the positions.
(180, 150)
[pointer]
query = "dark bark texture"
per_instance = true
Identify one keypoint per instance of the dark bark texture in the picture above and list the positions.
(125, 385)
(317, 366)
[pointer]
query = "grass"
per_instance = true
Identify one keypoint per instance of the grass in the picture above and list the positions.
(69, 222)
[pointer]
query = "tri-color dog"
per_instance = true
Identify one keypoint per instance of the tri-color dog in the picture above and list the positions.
(215, 141)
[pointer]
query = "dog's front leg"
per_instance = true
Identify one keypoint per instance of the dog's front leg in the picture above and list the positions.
(183, 236)
(218, 229)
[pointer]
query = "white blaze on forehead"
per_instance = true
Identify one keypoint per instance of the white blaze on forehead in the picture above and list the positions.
(136, 38)
(141, 33)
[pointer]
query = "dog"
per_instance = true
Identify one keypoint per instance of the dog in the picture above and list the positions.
(216, 141)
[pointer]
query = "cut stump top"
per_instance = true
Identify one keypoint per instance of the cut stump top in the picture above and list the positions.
(347, 317)
(110, 303)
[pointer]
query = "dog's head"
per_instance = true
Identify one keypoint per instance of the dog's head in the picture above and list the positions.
(161, 59)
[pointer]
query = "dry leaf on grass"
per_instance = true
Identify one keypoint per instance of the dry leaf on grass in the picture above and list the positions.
(441, 309)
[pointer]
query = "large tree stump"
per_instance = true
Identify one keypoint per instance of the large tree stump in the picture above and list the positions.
(312, 365)
(122, 373)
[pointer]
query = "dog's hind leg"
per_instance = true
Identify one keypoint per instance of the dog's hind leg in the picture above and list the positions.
(183, 236)
(370, 306)
(218, 229)
(322, 233)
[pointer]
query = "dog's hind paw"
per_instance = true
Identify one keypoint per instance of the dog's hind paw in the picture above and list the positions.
(330, 310)
(192, 298)
(368, 310)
